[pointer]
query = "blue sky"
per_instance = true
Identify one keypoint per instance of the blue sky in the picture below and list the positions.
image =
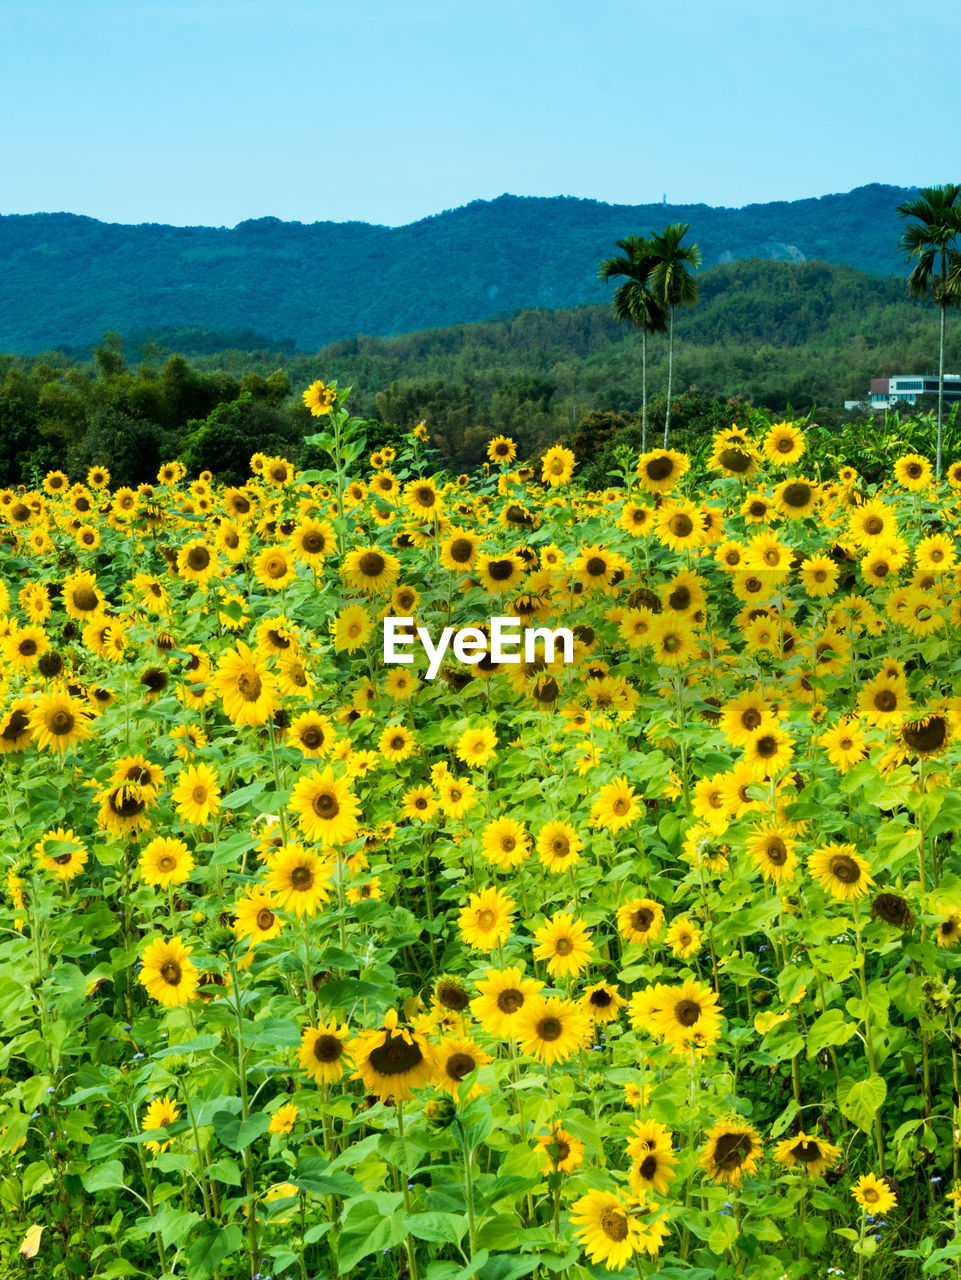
(211, 112)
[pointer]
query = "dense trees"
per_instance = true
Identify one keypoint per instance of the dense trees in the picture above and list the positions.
(774, 334)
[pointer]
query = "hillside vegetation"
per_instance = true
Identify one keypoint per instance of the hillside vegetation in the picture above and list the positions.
(69, 278)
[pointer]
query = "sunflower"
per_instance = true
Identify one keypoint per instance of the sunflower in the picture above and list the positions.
(557, 466)
(458, 551)
(323, 1052)
(505, 843)
(476, 747)
(936, 553)
(394, 1060)
(949, 926)
(771, 849)
(503, 995)
(640, 920)
(812, 1154)
(455, 1058)
(912, 472)
(927, 737)
(15, 728)
(58, 721)
(167, 973)
(500, 573)
(502, 450)
(274, 568)
(396, 743)
(797, 498)
(660, 470)
(602, 1002)
(451, 994)
(744, 717)
(283, 1119)
(566, 945)
(158, 1114)
(768, 751)
(166, 861)
(326, 808)
(419, 804)
(651, 1148)
(616, 806)
(320, 398)
(672, 640)
(313, 541)
(684, 938)
(845, 745)
(559, 846)
(299, 879)
(551, 1029)
(61, 853)
(783, 444)
(686, 1011)
(874, 1195)
(456, 796)
(22, 648)
(562, 1151)
(678, 525)
(884, 701)
(819, 576)
(353, 627)
(254, 915)
(732, 1152)
(423, 500)
(246, 687)
(486, 921)
(370, 570)
(607, 1229)
(839, 869)
(197, 794)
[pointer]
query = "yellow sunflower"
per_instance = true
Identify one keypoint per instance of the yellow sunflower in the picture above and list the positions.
(552, 1030)
(167, 973)
(165, 861)
(839, 869)
(503, 995)
(326, 808)
(732, 1152)
(197, 794)
(393, 1061)
(246, 687)
(324, 1052)
(299, 880)
(566, 945)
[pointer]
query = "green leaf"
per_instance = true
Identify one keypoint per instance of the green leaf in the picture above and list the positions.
(211, 1247)
(238, 1134)
(831, 1028)
(359, 1239)
(173, 1224)
(859, 1100)
(440, 1228)
(103, 1177)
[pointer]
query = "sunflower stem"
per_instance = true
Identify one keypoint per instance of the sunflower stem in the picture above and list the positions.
(245, 1113)
(868, 1039)
(405, 1188)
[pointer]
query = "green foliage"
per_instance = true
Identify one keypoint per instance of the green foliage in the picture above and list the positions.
(224, 441)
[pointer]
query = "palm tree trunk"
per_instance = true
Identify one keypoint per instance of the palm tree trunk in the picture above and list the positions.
(937, 469)
(643, 391)
(670, 375)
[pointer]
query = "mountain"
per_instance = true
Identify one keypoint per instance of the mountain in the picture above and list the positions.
(66, 279)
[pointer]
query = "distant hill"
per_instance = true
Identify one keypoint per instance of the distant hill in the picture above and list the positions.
(65, 279)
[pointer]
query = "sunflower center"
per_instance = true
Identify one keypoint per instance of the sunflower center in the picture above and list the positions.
(797, 495)
(325, 806)
(776, 851)
(549, 1029)
(486, 918)
(766, 747)
(845, 869)
(171, 972)
(925, 736)
(620, 806)
(61, 722)
(510, 1001)
(85, 599)
(500, 570)
(563, 946)
(395, 1056)
(735, 460)
(680, 599)
(659, 468)
(873, 525)
(15, 725)
(687, 1012)
(731, 1150)
(808, 1152)
(614, 1225)
(129, 805)
(198, 558)
(596, 566)
(328, 1049)
(167, 863)
(459, 1065)
(63, 858)
(648, 1167)
(642, 918)
(784, 444)
(301, 877)
(371, 564)
(600, 999)
(886, 700)
(560, 846)
(461, 550)
(681, 525)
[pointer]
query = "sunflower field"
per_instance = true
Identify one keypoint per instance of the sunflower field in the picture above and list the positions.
(636, 956)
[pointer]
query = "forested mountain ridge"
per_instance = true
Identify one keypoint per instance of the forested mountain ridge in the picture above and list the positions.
(66, 278)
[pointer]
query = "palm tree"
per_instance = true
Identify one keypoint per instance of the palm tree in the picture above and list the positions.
(673, 286)
(634, 302)
(929, 242)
